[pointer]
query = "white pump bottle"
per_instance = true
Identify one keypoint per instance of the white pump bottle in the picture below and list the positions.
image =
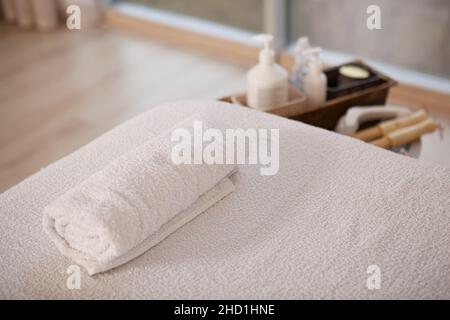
(315, 81)
(267, 82)
(300, 68)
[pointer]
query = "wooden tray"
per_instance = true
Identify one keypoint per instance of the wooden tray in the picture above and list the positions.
(329, 114)
(294, 107)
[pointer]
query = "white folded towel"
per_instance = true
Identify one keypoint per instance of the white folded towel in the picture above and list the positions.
(133, 203)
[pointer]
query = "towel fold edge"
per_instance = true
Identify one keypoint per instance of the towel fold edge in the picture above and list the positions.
(223, 188)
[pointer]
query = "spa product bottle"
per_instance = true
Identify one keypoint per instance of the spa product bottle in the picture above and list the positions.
(267, 82)
(300, 68)
(315, 81)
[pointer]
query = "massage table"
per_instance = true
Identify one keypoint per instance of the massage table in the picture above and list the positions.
(336, 208)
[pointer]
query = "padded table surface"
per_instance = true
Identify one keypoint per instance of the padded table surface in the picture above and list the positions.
(336, 206)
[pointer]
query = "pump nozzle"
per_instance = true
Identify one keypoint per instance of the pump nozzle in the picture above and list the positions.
(265, 39)
(300, 47)
(315, 52)
(302, 44)
(315, 63)
(266, 56)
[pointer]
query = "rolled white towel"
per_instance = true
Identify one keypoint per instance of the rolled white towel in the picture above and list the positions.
(133, 203)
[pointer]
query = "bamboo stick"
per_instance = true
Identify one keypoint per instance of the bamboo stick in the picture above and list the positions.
(386, 127)
(405, 135)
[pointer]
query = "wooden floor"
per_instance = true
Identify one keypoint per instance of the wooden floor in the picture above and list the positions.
(60, 90)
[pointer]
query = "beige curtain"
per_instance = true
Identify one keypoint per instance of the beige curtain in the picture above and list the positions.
(48, 14)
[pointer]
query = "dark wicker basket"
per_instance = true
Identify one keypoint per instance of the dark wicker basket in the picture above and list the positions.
(375, 94)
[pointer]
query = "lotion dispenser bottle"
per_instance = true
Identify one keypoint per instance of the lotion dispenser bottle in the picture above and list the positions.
(267, 82)
(300, 68)
(315, 81)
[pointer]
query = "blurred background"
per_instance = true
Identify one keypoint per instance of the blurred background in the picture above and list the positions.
(60, 87)
(415, 33)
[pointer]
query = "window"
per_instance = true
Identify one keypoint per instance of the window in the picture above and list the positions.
(242, 14)
(412, 45)
(415, 34)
